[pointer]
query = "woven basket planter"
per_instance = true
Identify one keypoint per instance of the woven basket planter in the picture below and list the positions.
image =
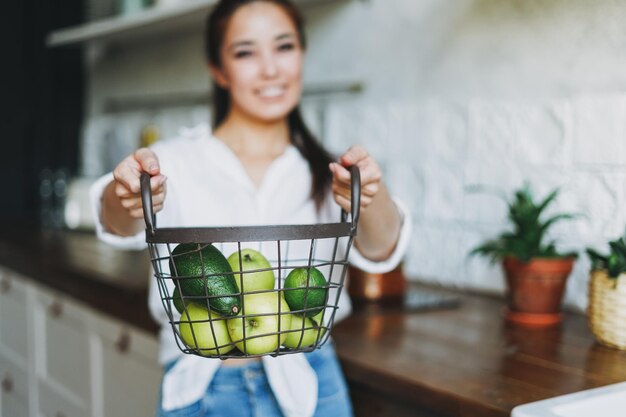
(606, 312)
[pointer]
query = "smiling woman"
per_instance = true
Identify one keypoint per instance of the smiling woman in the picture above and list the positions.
(261, 63)
(260, 165)
(257, 72)
(266, 41)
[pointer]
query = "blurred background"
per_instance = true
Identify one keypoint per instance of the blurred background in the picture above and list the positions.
(445, 94)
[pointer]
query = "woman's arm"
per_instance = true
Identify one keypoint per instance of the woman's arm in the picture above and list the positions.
(380, 221)
(121, 201)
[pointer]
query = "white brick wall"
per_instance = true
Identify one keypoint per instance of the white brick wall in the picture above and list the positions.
(458, 93)
(438, 149)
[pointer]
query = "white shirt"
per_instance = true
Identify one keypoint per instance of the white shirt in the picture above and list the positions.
(208, 186)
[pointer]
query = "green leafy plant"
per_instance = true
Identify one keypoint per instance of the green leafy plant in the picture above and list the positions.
(526, 240)
(614, 262)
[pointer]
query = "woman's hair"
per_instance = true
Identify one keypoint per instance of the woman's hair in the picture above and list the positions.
(300, 136)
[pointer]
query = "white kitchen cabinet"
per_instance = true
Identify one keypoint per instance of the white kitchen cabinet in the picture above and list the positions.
(130, 373)
(15, 349)
(61, 358)
(54, 402)
(14, 389)
(14, 316)
(14, 408)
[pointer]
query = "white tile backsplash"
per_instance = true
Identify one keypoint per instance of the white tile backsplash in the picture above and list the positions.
(600, 198)
(436, 149)
(599, 133)
(541, 133)
(367, 124)
(457, 93)
(431, 151)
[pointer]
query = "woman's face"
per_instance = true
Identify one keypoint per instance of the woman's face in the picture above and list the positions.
(261, 62)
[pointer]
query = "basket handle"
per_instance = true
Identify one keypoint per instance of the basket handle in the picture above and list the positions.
(355, 197)
(355, 203)
(146, 203)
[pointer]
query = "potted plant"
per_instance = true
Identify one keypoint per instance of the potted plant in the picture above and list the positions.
(606, 311)
(536, 272)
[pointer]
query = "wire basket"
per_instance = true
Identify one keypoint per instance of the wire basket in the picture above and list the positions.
(250, 291)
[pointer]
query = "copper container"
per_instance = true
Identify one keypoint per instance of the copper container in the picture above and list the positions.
(372, 287)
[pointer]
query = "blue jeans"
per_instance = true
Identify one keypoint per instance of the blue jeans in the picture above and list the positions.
(244, 391)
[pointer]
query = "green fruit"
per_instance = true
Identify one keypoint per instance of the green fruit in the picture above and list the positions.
(206, 272)
(252, 260)
(178, 301)
(311, 298)
(201, 329)
(262, 323)
(180, 304)
(300, 337)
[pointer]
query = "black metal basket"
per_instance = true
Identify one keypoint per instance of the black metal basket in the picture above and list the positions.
(209, 318)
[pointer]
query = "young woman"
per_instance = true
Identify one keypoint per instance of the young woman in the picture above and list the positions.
(259, 165)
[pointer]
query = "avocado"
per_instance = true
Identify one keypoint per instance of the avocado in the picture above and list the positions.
(178, 301)
(202, 271)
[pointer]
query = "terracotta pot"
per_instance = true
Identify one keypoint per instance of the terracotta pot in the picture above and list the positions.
(535, 289)
(363, 286)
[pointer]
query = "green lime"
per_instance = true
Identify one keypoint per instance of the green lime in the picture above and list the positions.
(312, 297)
(203, 271)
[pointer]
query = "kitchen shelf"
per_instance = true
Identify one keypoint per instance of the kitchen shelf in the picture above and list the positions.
(191, 98)
(152, 22)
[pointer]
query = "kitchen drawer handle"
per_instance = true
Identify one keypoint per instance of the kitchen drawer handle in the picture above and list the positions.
(5, 285)
(7, 384)
(55, 309)
(123, 342)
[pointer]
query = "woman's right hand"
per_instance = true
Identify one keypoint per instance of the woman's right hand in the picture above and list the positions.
(126, 185)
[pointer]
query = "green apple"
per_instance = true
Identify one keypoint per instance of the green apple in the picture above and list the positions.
(200, 330)
(308, 334)
(261, 321)
(251, 260)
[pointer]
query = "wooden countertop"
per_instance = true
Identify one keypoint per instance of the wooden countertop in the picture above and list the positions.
(77, 264)
(468, 362)
(463, 362)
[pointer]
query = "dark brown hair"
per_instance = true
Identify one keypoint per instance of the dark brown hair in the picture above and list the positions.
(300, 136)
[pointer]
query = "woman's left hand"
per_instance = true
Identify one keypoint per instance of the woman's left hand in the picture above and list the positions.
(371, 176)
